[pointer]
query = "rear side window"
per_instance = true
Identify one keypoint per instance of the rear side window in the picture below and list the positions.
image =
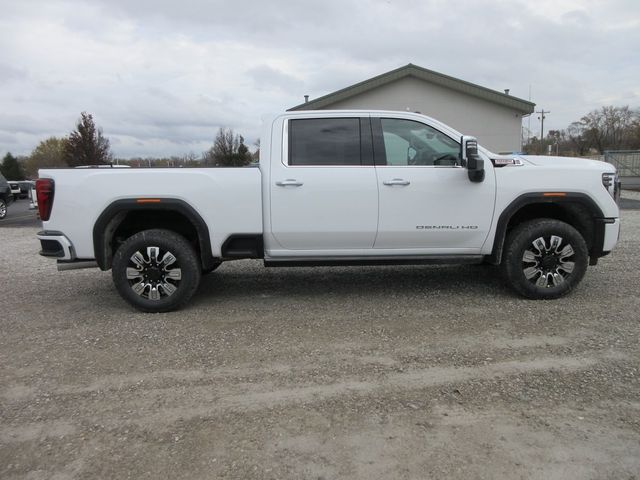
(324, 141)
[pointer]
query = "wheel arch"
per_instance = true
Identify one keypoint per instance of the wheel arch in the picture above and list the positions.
(577, 209)
(131, 215)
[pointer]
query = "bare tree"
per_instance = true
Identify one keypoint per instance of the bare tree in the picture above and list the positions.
(577, 139)
(228, 150)
(86, 145)
(608, 128)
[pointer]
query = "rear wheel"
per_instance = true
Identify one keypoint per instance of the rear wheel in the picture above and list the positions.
(544, 258)
(3, 208)
(156, 270)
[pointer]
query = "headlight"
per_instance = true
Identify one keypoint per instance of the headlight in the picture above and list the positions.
(612, 184)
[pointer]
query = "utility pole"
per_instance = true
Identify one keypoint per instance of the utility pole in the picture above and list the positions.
(541, 118)
(529, 119)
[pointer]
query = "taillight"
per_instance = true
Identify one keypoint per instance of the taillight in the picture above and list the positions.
(44, 192)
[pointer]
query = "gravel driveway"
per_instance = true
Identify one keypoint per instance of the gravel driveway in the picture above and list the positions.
(325, 373)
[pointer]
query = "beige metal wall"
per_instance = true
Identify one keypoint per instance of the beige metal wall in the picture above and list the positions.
(497, 128)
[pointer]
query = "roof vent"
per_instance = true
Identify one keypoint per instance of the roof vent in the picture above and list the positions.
(506, 91)
(306, 99)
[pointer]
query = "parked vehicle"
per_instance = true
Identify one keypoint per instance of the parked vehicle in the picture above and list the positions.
(15, 189)
(25, 186)
(6, 197)
(336, 188)
(33, 197)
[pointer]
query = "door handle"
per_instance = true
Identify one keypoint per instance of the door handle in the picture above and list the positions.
(396, 181)
(289, 182)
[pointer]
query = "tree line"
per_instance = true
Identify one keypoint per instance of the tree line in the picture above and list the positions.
(87, 145)
(607, 128)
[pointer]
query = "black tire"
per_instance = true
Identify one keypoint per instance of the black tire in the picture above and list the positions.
(141, 264)
(3, 208)
(547, 269)
(211, 269)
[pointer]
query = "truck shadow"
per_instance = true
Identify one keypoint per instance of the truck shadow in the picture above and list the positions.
(250, 280)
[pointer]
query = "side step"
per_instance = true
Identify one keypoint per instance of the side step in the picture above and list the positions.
(76, 264)
(363, 261)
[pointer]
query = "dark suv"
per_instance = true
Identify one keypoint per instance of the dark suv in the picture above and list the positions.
(5, 196)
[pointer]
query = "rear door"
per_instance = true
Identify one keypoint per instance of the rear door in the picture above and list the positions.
(324, 194)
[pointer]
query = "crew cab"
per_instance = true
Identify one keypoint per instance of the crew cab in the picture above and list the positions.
(335, 188)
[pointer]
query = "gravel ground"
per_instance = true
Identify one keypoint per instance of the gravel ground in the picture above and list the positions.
(356, 373)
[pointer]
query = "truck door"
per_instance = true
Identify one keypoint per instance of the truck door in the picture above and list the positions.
(324, 194)
(426, 199)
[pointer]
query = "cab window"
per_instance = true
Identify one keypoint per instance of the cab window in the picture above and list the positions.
(324, 141)
(411, 143)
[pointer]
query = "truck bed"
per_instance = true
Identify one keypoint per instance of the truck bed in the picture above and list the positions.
(81, 195)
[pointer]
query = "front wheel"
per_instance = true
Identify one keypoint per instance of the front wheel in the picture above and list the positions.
(3, 208)
(544, 258)
(156, 270)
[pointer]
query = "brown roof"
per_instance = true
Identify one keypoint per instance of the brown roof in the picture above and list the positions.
(411, 70)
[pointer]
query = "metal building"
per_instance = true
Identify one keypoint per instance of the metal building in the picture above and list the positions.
(495, 118)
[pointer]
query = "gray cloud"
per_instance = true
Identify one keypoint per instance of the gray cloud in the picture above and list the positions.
(266, 78)
(162, 76)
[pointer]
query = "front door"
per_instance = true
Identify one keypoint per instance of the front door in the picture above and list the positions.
(426, 199)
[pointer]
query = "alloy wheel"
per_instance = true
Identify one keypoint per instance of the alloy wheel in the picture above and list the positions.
(155, 274)
(548, 261)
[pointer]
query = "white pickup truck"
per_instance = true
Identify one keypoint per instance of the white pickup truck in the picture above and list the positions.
(335, 188)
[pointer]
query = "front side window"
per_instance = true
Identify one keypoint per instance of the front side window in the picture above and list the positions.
(408, 143)
(324, 141)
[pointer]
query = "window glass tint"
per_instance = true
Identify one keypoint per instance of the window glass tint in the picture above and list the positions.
(413, 143)
(324, 141)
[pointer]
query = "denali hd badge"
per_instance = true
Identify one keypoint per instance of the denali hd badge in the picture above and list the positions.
(446, 227)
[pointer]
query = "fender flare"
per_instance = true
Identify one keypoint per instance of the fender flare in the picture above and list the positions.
(540, 198)
(113, 215)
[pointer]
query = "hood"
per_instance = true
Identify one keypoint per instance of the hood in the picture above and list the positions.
(567, 162)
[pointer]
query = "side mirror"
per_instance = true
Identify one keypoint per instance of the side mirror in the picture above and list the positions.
(471, 159)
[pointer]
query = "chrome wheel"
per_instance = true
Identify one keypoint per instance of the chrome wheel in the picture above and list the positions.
(155, 274)
(548, 261)
(3, 209)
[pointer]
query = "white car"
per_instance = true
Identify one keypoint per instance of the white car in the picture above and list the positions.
(15, 188)
(33, 197)
(336, 188)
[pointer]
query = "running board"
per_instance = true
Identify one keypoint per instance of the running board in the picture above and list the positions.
(363, 261)
(76, 264)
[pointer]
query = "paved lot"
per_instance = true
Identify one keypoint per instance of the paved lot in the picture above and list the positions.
(19, 215)
(357, 373)
(629, 203)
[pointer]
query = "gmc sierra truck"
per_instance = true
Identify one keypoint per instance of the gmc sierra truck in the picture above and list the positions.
(335, 188)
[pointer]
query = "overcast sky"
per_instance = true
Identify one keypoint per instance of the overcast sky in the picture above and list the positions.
(161, 76)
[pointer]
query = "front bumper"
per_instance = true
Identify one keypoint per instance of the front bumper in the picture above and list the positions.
(56, 245)
(611, 235)
(607, 232)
